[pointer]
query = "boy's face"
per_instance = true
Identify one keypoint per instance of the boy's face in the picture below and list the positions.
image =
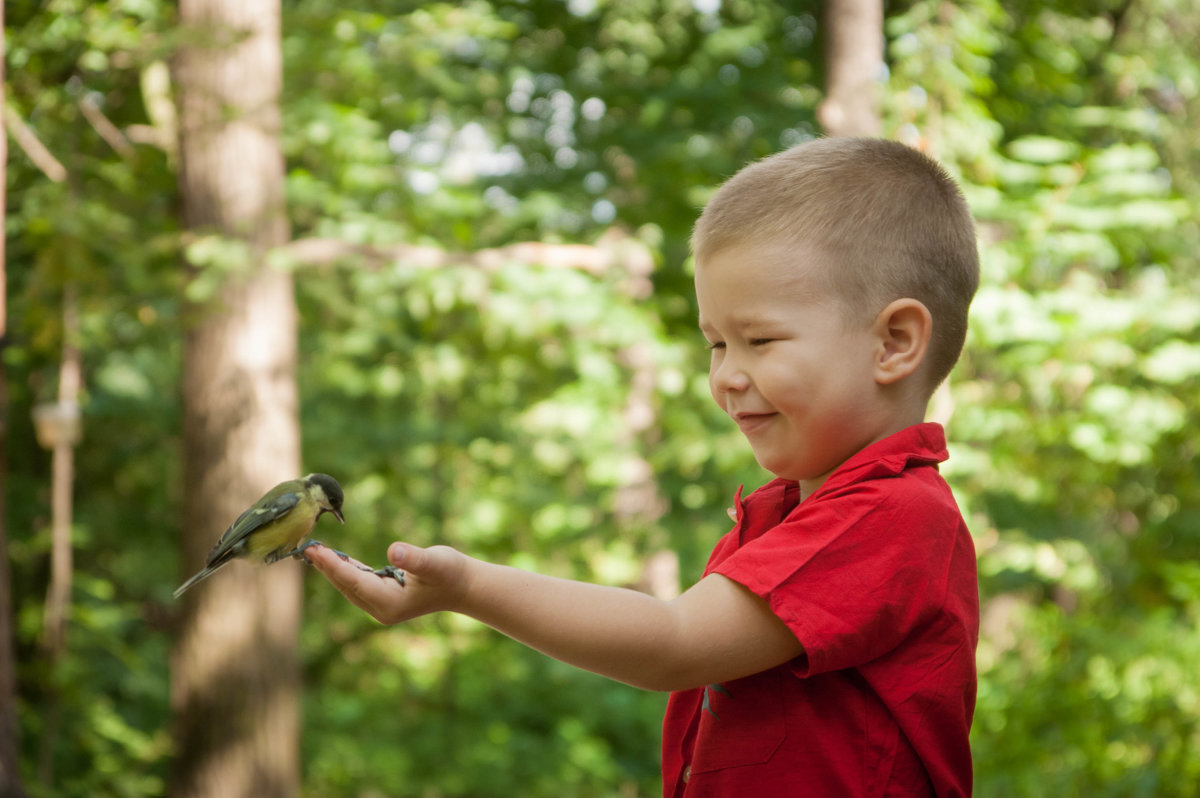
(789, 366)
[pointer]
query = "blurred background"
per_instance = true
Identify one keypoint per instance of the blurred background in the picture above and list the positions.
(439, 250)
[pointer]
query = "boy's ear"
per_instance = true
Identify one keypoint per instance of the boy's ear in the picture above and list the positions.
(903, 329)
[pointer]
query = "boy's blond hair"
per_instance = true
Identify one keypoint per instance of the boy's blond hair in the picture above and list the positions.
(889, 218)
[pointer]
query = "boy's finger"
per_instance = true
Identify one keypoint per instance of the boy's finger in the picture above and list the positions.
(355, 581)
(342, 573)
(320, 557)
(326, 557)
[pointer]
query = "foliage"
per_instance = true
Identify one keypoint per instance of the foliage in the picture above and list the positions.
(1075, 437)
(558, 420)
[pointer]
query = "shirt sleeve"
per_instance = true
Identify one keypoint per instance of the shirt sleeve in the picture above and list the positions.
(856, 573)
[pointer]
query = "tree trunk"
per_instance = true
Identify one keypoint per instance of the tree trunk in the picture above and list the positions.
(235, 677)
(11, 785)
(853, 67)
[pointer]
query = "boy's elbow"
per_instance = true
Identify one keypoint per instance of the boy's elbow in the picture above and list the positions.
(662, 676)
(654, 684)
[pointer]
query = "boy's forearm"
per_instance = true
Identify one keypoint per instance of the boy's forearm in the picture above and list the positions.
(619, 633)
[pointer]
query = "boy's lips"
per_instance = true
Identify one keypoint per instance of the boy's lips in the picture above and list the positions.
(749, 422)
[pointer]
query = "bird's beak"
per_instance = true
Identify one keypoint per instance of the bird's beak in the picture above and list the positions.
(338, 515)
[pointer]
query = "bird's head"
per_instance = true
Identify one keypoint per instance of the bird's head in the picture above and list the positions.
(327, 493)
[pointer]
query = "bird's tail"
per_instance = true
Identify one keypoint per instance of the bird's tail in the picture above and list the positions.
(204, 574)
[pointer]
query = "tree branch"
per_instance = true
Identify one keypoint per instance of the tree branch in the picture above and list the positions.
(28, 141)
(107, 130)
(614, 250)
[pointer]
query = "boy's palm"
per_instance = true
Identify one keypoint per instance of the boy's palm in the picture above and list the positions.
(435, 579)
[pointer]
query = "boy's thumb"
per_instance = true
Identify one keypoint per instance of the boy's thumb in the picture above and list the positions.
(401, 556)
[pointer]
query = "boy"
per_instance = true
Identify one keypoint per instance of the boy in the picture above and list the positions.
(829, 649)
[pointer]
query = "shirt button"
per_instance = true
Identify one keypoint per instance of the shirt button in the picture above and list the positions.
(687, 774)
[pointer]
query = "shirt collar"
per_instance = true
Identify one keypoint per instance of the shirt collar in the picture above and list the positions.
(919, 445)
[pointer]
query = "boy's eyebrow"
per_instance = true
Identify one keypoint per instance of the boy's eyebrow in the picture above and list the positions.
(742, 322)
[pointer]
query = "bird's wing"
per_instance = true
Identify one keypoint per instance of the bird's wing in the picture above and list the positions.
(268, 509)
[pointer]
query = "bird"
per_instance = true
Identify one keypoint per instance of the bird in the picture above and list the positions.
(272, 527)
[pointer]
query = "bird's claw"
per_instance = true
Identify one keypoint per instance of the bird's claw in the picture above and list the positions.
(298, 552)
(386, 571)
(392, 571)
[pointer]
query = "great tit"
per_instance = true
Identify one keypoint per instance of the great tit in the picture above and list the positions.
(273, 526)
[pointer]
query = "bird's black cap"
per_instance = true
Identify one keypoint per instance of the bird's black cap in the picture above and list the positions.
(333, 491)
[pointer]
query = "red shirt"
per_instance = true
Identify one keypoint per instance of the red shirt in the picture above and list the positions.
(875, 575)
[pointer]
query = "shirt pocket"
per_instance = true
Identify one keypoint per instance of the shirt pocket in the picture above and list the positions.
(742, 722)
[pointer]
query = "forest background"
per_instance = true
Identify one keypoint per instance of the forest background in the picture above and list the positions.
(487, 212)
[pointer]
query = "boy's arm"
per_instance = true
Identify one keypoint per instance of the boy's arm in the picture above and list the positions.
(716, 631)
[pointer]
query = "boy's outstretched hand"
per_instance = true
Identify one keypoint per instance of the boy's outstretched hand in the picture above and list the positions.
(435, 579)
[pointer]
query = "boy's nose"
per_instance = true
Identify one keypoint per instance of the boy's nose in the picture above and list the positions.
(728, 377)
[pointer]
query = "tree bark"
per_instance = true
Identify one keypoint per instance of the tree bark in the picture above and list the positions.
(235, 677)
(853, 67)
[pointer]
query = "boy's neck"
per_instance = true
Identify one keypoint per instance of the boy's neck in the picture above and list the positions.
(913, 415)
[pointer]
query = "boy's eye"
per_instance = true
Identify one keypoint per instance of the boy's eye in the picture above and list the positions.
(715, 345)
(760, 341)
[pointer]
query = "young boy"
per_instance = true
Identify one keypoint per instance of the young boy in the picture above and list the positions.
(829, 649)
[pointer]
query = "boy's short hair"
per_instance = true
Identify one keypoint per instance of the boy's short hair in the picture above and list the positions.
(891, 219)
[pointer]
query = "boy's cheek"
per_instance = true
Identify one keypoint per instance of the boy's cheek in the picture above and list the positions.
(712, 391)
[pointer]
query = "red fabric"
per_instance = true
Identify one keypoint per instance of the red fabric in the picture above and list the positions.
(875, 574)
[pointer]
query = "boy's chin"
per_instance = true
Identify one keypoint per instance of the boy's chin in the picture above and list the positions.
(782, 470)
(795, 472)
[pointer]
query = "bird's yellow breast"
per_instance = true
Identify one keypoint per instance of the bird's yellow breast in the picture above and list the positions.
(285, 533)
